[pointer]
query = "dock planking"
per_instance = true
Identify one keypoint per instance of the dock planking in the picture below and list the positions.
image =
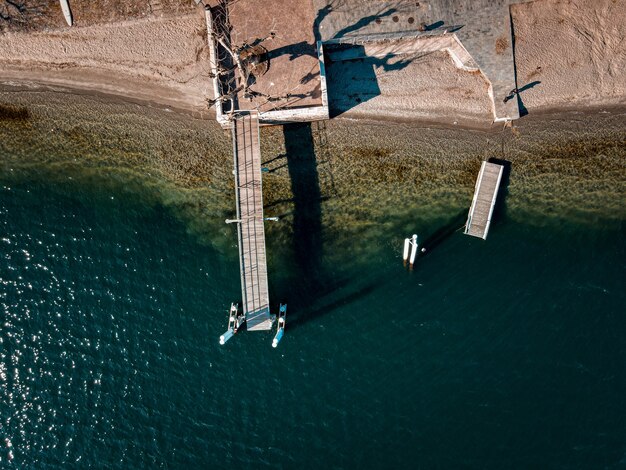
(251, 231)
(487, 185)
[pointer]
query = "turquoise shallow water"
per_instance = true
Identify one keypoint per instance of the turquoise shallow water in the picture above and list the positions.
(508, 353)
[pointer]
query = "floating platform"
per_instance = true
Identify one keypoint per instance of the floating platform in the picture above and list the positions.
(487, 185)
(250, 222)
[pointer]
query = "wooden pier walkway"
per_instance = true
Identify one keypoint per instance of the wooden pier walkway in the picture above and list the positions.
(487, 184)
(251, 232)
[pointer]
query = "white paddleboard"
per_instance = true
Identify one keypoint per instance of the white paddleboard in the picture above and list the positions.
(66, 11)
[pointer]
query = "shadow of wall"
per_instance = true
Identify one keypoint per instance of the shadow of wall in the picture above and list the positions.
(351, 82)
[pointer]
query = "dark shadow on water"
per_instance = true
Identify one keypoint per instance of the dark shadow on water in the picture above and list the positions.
(278, 202)
(276, 168)
(271, 160)
(352, 292)
(320, 311)
(499, 210)
(310, 280)
(442, 234)
(307, 223)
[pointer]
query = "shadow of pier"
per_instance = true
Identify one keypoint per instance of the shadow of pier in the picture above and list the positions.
(499, 210)
(305, 187)
(443, 233)
(311, 280)
(307, 246)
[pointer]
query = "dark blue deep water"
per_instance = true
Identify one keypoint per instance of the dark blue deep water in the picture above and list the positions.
(509, 353)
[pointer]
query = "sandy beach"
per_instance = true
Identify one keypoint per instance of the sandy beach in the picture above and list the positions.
(159, 58)
(573, 50)
(567, 54)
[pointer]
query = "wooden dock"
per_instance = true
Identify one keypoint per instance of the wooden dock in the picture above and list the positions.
(487, 185)
(251, 232)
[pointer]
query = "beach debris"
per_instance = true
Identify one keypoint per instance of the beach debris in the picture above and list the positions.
(237, 66)
(67, 13)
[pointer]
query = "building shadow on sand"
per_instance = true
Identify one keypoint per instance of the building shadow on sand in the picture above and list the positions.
(350, 73)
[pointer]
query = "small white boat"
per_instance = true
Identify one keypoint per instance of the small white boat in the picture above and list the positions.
(67, 13)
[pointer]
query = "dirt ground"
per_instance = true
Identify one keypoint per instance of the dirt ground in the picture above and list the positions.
(294, 66)
(160, 57)
(38, 15)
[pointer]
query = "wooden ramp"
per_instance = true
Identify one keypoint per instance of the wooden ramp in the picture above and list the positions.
(251, 233)
(484, 200)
